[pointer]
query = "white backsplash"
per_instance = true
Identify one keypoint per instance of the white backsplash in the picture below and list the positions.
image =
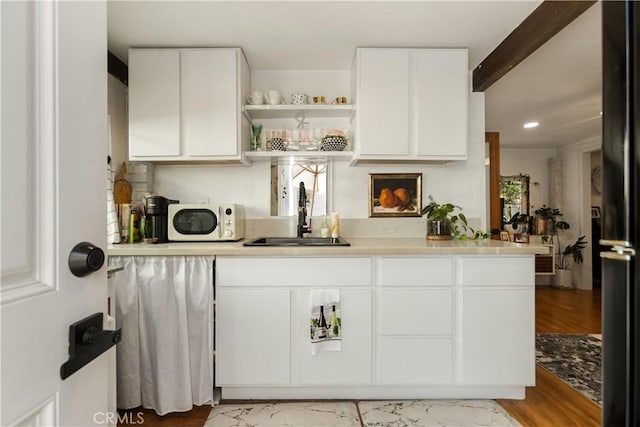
(405, 228)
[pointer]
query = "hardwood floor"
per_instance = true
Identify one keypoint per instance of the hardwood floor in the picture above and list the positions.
(572, 311)
(550, 403)
(148, 417)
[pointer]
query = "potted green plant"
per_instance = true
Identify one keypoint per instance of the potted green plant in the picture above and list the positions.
(551, 223)
(564, 276)
(443, 224)
(520, 222)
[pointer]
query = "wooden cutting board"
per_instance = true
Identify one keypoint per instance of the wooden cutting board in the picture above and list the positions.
(121, 187)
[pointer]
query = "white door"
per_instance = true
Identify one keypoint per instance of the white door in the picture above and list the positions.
(54, 79)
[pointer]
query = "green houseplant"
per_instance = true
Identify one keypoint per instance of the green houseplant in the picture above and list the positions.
(573, 251)
(552, 223)
(563, 277)
(443, 224)
(519, 221)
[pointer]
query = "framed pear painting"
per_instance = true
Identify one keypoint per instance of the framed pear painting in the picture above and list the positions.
(395, 194)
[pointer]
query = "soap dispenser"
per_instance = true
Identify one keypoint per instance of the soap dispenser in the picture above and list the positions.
(324, 228)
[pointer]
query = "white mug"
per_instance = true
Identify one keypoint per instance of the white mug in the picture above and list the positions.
(255, 98)
(298, 98)
(273, 97)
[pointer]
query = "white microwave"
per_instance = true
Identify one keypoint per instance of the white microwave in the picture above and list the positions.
(205, 222)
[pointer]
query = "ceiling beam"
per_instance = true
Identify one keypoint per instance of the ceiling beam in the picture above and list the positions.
(117, 68)
(544, 22)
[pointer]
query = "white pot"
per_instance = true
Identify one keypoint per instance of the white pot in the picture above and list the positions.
(563, 279)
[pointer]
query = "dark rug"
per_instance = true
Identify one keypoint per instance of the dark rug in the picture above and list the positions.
(574, 358)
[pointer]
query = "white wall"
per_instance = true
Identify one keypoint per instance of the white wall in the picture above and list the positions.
(576, 159)
(461, 183)
(533, 162)
(328, 83)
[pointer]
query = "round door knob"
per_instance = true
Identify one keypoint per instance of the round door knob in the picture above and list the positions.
(85, 258)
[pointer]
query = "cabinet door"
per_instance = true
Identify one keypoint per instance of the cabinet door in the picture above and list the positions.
(440, 83)
(415, 360)
(154, 103)
(496, 350)
(253, 337)
(351, 365)
(209, 102)
(383, 102)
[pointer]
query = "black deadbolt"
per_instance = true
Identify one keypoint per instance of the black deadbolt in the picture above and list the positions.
(85, 258)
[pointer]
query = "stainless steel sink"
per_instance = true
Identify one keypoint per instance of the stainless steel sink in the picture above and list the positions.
(296, 241)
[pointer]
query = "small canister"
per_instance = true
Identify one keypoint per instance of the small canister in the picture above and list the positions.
(134, 226)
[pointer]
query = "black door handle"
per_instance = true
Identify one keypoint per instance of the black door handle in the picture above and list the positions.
(87, 340)
(85, 258)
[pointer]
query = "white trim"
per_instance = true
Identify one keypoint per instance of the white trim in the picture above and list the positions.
(44, 414)
(39, 276)
(374, 392)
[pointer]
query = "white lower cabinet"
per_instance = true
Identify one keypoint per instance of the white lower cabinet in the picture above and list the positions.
(253, 340)
(263, 340)
(350, 365)
(457, 326)
(497, 320)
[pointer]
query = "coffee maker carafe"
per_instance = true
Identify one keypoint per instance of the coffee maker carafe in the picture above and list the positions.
(157, 214)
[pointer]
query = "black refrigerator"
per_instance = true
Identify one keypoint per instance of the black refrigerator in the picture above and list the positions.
(620, 210)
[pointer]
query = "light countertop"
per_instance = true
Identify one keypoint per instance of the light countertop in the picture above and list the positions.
(359, 246)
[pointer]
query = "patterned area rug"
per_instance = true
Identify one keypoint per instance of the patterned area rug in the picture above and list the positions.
(574, 358)
(377, 413)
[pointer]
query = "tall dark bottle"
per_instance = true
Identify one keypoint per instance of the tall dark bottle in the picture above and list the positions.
(322, 324)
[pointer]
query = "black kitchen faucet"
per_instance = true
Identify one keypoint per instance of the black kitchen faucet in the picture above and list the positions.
(302, 212)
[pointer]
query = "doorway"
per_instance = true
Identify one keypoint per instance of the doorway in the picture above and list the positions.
(595, 179)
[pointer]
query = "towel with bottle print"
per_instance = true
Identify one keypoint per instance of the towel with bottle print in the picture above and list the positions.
(326, 321)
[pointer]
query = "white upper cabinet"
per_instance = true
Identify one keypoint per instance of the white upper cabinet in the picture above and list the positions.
(411, 104)
(185, 104)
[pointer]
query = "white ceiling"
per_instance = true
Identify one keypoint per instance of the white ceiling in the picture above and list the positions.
(320, 35)
(559, 85)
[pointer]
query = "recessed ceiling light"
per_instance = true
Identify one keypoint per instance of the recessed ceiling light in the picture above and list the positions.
(530, 125)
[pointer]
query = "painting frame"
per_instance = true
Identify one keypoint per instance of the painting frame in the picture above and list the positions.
(595, 212)
(521, 237)
(504, 236)
(399, 203)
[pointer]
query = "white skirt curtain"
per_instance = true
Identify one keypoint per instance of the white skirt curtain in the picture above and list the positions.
(164, 306)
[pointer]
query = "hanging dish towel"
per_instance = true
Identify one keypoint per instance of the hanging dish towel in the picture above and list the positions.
(325, 321)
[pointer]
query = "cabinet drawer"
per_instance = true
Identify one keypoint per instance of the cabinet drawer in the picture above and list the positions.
(293, 271)
(501, 270)
(416, 271)
(416, 312)
(415, 361)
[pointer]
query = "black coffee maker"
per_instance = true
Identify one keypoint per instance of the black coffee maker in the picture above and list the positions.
(157, 217)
